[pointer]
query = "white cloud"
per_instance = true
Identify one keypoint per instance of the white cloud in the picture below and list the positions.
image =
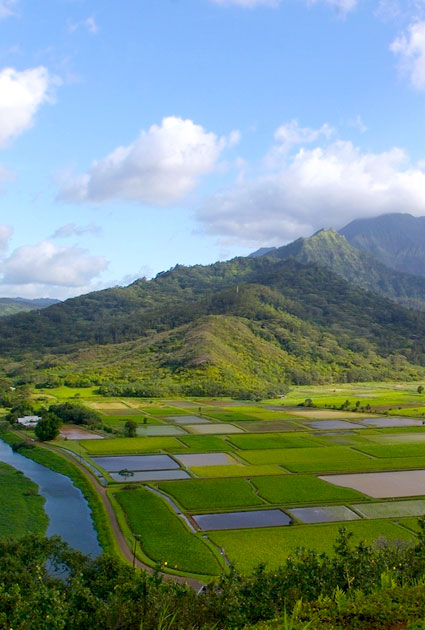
(88, 24)
(410, 47)
(358, 123)
(290, 135)
(161, 167)
(7, 8)
(247, 4)
(319, 187)
(5, 233)
(47, 264)
(21, 95)
(70, 229)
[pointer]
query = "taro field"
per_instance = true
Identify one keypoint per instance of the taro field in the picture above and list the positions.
(210, 484)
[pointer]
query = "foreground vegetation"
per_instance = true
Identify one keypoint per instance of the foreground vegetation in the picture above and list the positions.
(358, 586)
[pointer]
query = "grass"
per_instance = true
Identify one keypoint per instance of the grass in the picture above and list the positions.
(21, 506)
(205, 444)
(394, 450)
(293, 489)
(273, 440)
(134, 445)
(235, 471)
(212, 494)
(163, 535)
(311, 456)
(246, 549)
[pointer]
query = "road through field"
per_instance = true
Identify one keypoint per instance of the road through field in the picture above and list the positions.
(119, 536)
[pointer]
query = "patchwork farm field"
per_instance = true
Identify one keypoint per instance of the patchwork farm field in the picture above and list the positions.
(303, 461)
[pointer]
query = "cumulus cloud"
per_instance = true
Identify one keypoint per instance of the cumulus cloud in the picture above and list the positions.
(21, 95)
(7, 8)
(160, 167)
(47, 264)
(290, 135)
(71, 229)
(410, 48)
(318, 187)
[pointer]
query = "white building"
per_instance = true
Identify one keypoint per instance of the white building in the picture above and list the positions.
(29, 421)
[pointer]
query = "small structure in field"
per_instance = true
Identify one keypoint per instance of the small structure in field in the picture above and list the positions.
(28, 421)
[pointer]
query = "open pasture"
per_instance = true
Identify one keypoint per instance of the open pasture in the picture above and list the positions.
(212, 494)
(134, 445)
(246, 549)
(294, 489)
(266, 426)
(273, 440)
(214, 472)
(204, 443)
(163, 535)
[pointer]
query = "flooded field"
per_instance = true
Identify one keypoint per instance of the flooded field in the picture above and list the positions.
(188, 420)
(206, 459)
(333, 424)
(392, 422)
(77, 433)
(384, 485)
(327, 514)
(211, 429)
(160, 429)
(136, 462)
(242, 520)
(151, 475)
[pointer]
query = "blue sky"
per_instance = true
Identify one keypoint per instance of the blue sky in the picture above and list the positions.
(138, 134)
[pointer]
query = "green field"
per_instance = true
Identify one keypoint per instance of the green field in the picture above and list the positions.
(235, 471)
(273, 440)
(131, 445)
(205, 444)
(212, 494)
(246, 549)
(21, 506)
(293, 489)
(163, 535)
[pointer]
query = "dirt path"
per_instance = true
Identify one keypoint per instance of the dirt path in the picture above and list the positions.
(119, 536)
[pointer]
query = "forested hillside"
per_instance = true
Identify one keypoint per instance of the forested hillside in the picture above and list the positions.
(330, 249)
(250, 324)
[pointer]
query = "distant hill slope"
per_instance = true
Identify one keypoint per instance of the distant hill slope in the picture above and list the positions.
(10, 306)
(249, 324)
(330, 249)
(397, 240)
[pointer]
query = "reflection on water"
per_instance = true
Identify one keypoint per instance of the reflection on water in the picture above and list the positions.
(67, 509)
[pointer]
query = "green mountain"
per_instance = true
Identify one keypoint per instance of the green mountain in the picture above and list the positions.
(243, 326)
(11, 306)
(397, 240)
(330, 249)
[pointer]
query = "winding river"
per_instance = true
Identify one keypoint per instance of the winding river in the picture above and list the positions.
(65, 505)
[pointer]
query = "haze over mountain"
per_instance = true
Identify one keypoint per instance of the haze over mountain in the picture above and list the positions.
(10, 306)
(397, 240)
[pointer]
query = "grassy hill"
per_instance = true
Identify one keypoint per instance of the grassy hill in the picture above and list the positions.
(243, 326)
